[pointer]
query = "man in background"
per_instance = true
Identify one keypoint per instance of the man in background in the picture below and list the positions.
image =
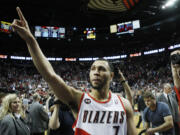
(170, 99)
(141, 107)
(39, 117)
(158, 115)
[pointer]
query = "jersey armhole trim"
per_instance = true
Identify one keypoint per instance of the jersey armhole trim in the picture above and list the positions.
(122, 103)
(74, 124)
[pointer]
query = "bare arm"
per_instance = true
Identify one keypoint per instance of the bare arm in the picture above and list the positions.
(176, 78)
(54, 120)
(126, 87)
(130, 118)
(65, 93)
(168, 124)
(176, 71)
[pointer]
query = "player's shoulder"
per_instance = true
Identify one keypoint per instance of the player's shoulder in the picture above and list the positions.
(121, 97)
(125, 101)
(118, 95)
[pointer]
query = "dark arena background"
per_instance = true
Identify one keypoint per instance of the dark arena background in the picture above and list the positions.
(135, 35)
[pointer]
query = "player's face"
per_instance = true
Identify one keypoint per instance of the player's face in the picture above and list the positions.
(100, 74)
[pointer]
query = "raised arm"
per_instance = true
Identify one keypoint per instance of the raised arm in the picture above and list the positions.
(130, 117)
(126, 87)
(176, 71)
(65, 93)
(176, 77)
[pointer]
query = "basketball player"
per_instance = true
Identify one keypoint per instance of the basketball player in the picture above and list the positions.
(97, 113)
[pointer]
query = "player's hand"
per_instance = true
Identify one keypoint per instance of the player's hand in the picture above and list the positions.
(21, 26)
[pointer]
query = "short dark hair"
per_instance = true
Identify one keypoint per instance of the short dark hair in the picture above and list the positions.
(110, 64)
(148, 94)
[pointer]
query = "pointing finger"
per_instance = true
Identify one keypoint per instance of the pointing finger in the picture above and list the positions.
(21, 16)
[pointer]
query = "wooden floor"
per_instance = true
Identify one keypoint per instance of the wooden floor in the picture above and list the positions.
(136, 118)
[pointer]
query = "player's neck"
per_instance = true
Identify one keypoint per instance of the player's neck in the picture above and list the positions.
(100, 94)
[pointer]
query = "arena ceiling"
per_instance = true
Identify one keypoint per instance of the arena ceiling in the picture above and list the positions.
(157, 25)
(86, 12)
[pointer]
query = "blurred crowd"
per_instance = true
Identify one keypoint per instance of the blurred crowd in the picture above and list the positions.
(147, 72)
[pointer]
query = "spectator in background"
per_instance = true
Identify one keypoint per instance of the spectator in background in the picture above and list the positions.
(170, 99)
(158, 114)
(12, 117)
(61, 120)
(2, 95)
(141, 107)
(25, 102)
(39, 117)
(50, 100)
(175, 67)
